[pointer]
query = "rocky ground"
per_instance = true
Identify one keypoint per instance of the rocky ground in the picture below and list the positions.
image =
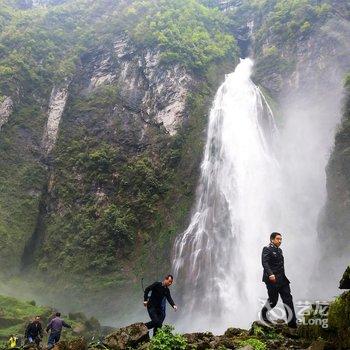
(87, 334)
(259, 336)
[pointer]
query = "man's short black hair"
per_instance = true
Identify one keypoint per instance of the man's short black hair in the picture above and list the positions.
(169, 276)
(58, 314)
(274, 234)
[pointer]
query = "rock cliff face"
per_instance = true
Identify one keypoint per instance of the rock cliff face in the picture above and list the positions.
(5, 110)
(334, 222)
(121, 147)
(57, 104)
(155, 91)
(100, 142)
(145, 96)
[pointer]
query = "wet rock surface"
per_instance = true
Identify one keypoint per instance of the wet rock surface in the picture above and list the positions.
(345, 281)
(126, 337)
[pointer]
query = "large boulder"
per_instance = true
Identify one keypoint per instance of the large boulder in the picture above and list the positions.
(317, 345)
(234, 332)
(74, 344)
(61, 345)
(77, 344)
(345, 281)
(259, 328)
(127, 337)
(200, 341)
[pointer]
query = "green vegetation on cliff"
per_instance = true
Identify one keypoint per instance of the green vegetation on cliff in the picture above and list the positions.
(287, 21)
(103, 206)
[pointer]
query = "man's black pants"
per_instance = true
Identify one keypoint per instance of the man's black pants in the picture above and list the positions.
(287, 299)
(157, 316)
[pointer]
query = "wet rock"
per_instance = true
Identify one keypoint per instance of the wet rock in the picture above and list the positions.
(61, 345)
(234, 332)
(130, 336)
(105, 330)
(200, 341)
(30, 346)
(77, 344)
(92, 324)
(345, 281)
(317, 345)
(145, 346)
(247, 347)
(259, 328)
(224, 342)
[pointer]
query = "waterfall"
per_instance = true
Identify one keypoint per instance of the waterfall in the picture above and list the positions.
(255, 179)
(217, 258)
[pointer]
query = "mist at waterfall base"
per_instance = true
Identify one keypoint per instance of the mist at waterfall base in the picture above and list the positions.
(256, 178)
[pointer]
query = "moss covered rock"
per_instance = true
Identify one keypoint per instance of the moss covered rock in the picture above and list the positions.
(127, 337)
(339, 320)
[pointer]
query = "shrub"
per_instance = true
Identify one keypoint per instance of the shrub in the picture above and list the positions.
(186, 31)
(165, 339)
(255, 343)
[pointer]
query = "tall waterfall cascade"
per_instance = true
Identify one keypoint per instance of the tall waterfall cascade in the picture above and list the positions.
(249, 187)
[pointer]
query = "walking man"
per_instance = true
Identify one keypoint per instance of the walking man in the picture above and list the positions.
(155, 303)
(276, 281)
(55, 326)
(34, 331)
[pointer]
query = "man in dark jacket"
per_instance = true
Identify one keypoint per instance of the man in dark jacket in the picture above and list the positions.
(55, 326)
(155, 303)
(276, 281)
(34, 331)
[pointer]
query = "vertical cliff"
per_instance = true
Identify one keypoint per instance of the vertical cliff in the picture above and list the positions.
(334, 222)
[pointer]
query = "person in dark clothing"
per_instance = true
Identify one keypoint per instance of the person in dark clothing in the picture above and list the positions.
(276, 281)
(34, 331)
(156, 304)
(55, 326)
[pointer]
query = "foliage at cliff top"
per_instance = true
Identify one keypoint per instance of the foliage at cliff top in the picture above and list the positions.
(188, 31)
(44, 43)
(166, 339)
(287, 20)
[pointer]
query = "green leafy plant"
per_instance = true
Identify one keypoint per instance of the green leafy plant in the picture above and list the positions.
(165, 339)
(186, 30)
(255, 343)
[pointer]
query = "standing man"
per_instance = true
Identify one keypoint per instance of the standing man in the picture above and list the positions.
(34, 331)
(55, 326)
(276, 281)
(155, 303)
